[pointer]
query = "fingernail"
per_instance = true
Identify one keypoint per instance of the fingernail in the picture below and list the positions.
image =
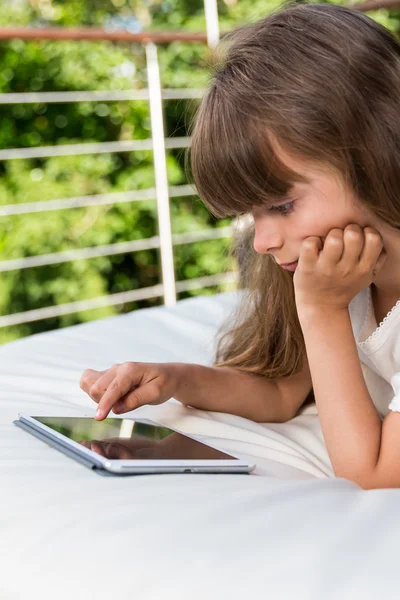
(99, 413)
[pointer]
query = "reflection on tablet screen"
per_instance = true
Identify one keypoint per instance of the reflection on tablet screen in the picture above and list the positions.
(126, 439)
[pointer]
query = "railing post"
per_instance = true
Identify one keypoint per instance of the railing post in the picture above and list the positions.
(161, 176)
(211, 11)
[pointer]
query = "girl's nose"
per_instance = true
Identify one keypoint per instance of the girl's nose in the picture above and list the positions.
(267, 239)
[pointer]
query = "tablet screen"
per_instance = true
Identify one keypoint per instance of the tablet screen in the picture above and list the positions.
(125, 439)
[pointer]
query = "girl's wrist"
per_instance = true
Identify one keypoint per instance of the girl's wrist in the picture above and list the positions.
(312, 313)
(181, 378)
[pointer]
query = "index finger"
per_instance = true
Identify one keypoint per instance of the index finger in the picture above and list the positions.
(113, 393)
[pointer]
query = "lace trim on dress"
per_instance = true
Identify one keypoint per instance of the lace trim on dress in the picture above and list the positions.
(381, 324)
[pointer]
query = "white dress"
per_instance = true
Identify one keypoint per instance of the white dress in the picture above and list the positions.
(379, 351)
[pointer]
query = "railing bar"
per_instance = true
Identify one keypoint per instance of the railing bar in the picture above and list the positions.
(202, 235)
(111, 249)
(182, 93)
(97, 96)
(90, 148)
(161, 174)
(72, 307)
(83, 96)
(93, 200)
(70, 255)
(93, 33)
(113, 299)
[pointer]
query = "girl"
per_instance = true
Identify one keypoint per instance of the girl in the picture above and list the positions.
(299, 129)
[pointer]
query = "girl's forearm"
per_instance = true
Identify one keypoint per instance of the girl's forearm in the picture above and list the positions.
(228, 390)
(350, 423)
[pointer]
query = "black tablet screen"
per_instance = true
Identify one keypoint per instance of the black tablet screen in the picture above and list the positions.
(126, 439)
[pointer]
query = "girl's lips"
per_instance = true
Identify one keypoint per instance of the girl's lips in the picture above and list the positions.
(290, 266)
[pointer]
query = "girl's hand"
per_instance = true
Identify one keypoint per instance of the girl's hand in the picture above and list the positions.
(125, 387)
(330, 275)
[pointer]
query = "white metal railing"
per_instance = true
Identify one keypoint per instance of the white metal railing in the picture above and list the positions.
(131, 296)
(90, 148)
(98, 96)
(92, 200)
(55, 258)
(161, 175)
(161, 192)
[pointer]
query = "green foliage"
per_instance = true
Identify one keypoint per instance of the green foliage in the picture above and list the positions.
(59, 66)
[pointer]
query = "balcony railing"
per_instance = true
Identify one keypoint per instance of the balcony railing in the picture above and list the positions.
(168, 287)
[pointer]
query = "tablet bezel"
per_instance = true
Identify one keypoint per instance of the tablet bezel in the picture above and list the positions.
(140, 466)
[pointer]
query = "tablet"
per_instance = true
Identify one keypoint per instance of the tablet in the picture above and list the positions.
(130, 446)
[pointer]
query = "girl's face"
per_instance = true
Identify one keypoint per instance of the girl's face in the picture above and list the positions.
(313, 209)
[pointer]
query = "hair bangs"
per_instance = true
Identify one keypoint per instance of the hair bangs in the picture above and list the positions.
(234, 163)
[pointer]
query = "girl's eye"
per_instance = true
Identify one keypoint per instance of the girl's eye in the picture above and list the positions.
(282, 209)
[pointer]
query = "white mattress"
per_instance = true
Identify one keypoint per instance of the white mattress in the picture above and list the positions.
(288, 530)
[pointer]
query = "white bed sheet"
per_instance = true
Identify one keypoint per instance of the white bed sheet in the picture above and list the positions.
(288, 530)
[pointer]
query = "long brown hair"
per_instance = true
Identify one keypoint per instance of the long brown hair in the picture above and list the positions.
(323, 80)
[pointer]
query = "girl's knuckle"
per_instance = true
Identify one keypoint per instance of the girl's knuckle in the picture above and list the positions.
(115, 385)
(94, 393)
(353, 234)
(334, 240)
(85, 377)
(99, 386)
(374, 238)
